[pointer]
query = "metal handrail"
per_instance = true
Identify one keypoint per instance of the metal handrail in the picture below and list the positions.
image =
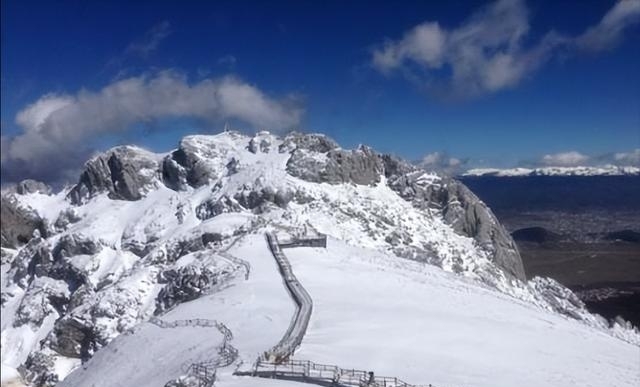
(277, 362)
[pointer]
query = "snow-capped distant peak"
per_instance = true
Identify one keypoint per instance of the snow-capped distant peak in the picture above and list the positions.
(605, 170)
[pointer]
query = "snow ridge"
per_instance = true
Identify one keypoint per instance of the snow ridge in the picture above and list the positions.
(145, 235)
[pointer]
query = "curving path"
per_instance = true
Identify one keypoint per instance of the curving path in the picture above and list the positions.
(304, 305)
(277, 362)
(204, 371)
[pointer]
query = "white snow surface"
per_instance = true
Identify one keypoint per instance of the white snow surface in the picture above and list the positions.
(416, 322)
(372, 310)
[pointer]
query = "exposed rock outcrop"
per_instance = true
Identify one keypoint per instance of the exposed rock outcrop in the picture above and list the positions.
(255, 199)
(197, 161)
(210, 208)
(184, 284)
(17, 223)
(462, 209)
(32, 186)
(361, 166)
(125, 172)
(45, 296)
(318, 159)
(560, 299)
(39, 370)
(313, 142)
(469, 215)
(34, 258)
(73, 337)
(76, 244)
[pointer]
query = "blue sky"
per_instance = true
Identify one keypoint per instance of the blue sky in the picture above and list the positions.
(544, 77)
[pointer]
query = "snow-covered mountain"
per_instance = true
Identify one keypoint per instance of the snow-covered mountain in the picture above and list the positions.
(606, 170)
(153, 262)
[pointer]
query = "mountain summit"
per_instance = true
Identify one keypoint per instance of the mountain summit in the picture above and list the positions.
(144, 235)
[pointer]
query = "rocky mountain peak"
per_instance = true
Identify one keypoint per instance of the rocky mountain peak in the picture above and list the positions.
(125, 172)
(141, 232)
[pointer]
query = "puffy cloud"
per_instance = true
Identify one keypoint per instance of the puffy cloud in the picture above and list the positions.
(487, 52)
(627, 158)
(565, 159)
(441, 162)
(573, 158)
(57, 127)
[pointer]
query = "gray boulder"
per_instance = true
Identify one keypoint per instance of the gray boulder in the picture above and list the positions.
(76, 244)
(34, 258)
(73, 337)
(211, 208)
(43, 297)
(125, 172)
(17, 223)
(32, 186)
(185, 284)
(174, 175)
(314, 142)
(256, 199)
(259, 144)
(39, 370)
(189, 164)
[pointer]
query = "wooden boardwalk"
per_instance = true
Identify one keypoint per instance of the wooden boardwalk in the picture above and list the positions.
(278, 363)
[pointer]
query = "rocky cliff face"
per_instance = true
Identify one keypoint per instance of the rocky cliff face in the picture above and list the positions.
(316, 158)
(124, 172)
(18, 223)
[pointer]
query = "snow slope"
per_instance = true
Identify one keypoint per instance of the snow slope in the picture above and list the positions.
(418, 323)
(85, 291)
(377, 312)
(256, 310)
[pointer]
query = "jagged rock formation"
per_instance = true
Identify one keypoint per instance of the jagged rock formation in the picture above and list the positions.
(461, 208)
(38, 370)
(317, 159)
(469, 215)
(18, 223)
(140, 233)
(124, 172)
(185, 284)
(32, 186)
(196, 162)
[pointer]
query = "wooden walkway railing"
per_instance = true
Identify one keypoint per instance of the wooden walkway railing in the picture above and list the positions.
(304, 305)
(277, 362)
(326, 374)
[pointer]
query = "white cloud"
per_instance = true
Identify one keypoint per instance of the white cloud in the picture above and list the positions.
(608, 32)
(487, 53)
(424, 44)
(565, 159)
(150, 41)
(56, 127)
(441, 162)
(628, 158)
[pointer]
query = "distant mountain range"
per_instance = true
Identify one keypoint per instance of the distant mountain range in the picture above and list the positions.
(606, 170)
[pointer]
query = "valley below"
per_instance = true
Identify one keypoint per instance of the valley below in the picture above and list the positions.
(583, 231)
